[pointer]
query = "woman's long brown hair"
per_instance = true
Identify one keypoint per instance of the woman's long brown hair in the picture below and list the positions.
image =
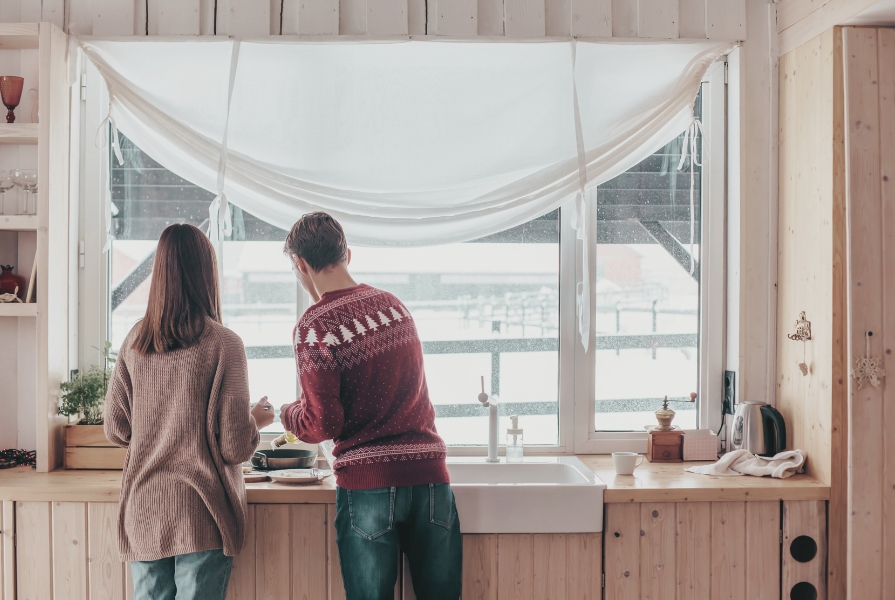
(184, 291)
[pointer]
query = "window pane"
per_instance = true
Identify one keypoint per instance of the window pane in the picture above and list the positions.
(647, 312)
(486, 308)
(258, 289)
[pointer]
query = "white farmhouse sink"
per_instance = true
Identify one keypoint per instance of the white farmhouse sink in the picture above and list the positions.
(544, 494)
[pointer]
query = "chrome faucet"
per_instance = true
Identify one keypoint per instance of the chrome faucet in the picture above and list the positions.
(491, 405)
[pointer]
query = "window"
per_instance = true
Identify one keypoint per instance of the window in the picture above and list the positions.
(486, 308)
(502, 307)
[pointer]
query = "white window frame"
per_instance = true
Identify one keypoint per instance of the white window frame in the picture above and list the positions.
(576, 368)
(587, 440)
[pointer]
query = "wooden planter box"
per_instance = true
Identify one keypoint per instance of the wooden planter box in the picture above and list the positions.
(86, 447)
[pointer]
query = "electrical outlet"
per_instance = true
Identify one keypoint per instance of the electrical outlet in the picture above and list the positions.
(729, 399)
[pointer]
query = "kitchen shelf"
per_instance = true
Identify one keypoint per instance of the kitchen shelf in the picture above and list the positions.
(18, 222)
(15, 309)
(18, 36)
(18, 133)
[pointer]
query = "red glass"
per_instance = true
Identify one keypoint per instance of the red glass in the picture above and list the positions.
(9, 282)
(11, 93)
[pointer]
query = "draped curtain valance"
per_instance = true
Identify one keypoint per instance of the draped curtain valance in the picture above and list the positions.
(413, 142)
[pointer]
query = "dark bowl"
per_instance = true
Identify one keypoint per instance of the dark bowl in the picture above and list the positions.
(284, 458)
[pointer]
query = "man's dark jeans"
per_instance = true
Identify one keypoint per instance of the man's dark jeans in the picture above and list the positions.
(373, 527)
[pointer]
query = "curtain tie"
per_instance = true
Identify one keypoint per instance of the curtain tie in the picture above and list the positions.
(220, 224)
(690, 148)
(579, 218)
(100, 139)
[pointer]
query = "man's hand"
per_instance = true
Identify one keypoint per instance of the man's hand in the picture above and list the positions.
(263, 413)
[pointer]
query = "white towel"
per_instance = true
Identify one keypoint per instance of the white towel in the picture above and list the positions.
(743, 462)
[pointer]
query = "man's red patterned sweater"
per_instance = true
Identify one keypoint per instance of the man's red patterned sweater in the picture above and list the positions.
(360, 362)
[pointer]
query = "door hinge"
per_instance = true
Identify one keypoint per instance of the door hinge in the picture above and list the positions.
(83, 86)
(604, 580)
(781, 537)
(725, 73)
(81, 254)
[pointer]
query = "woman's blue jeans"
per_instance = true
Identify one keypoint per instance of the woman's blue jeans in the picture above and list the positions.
(373, 528)
(195, 576)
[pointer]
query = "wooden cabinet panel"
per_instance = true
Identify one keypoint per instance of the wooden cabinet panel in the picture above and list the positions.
(308, 555)
(272, 543)
(69, 551)
(242, 577)
(549, 565)
(333, 569)
(514, 566)
(693, 551)
(585, 560)
(693, 561)
(763, 565)
(105, 571)
(805, 523)
(480, 567)
(728, 550)
(657, 551)
(622, 565)
(9, 550)
(34, 548)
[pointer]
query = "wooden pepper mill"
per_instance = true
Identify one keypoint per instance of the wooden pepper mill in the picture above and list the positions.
(665, 442)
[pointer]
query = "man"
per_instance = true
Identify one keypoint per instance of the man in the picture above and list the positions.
(360, 363)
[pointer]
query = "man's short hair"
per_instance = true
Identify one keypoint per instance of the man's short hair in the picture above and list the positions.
(319, 240)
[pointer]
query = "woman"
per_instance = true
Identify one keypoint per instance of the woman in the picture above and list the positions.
(179, 402)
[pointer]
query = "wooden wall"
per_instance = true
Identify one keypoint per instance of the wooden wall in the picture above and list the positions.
(713, 19)
(812, 271)
(711, 550)
(68, 551)
(799, 21)
(869, 77)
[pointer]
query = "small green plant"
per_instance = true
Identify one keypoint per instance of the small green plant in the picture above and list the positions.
(84, 396)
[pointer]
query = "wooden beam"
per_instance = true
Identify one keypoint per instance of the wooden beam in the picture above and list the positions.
(173, 17)
(592, 18)
(833, 12)
(725, 20)
(310, 17)
(558, 17)
(692, 19)
(456, 17)
(112, 17)
(387, 17)
(657, 19)
(243, 18)
(524, 18)
(865, 508)
(490, 17)
(624, 18)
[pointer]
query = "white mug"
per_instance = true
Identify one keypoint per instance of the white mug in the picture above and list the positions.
(626, 462)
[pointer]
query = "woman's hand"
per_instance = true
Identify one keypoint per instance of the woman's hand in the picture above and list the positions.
(263, 413)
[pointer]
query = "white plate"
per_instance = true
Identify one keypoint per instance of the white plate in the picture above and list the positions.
(298, 475)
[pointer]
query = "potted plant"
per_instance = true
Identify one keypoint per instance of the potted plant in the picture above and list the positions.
(83, 397)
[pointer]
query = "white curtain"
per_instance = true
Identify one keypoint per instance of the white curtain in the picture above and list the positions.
(408, 142)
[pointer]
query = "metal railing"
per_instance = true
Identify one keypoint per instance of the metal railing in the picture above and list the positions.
(498, 346)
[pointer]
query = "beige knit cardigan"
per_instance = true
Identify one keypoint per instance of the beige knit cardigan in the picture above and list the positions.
(184, 418)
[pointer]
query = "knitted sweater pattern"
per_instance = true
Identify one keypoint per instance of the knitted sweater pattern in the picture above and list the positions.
(360, 363)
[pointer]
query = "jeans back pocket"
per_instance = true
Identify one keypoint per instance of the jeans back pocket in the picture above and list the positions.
(372, 511)
(441, 505)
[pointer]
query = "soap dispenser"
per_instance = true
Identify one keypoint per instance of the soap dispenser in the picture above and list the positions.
(514, 441)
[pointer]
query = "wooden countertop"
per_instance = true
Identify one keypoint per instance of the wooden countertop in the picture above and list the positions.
(651, 482)
(23, 483)
(670, 482)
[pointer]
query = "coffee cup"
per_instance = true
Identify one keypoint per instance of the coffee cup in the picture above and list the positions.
(626, 462)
